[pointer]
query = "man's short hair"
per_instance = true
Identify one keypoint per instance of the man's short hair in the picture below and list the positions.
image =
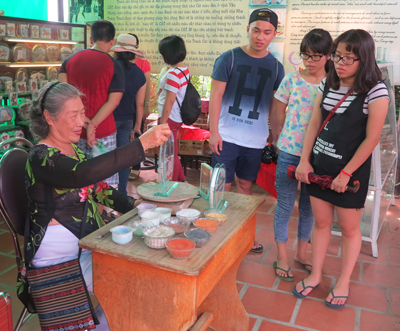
(103, 30)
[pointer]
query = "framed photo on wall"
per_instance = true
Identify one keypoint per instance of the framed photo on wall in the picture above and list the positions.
(64, 34)
(35, 31)
(2, 30)
(10, 29)
(23, 30)
(45, 33)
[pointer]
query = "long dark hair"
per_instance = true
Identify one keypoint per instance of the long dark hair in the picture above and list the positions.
(318, 41)
(362, 45)
(125, 57)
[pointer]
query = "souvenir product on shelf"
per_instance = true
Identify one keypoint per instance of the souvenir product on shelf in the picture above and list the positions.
(77, 48)
(35, 95)
(52, 73)
(3, 82)
(53, 52)
(21, 53)
(64, 34)
(10, 29)
(38, 75)
(5, 52)
(9, 86)
(23, 111)
(33, 84)
(217, 188)
(2, 30)
(23, 30)
(43, 83)
(13, 97)
(5, 136)
(22, 75)
(39, 53)
(18, 134)
(6, 115)
(45, 33)
(34, 31)
(65, 52)
(20, 87)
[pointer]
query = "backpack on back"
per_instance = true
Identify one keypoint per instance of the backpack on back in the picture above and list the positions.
(191, 104)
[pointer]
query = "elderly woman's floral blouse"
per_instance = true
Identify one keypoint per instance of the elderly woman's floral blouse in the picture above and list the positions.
(64, 183)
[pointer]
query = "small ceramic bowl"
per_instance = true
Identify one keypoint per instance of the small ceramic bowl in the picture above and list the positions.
(199, 236)
(206, 224)
(121, 234)
(144, 206)
(180, 248)
(216, 215)
(165, 213)
(151, 216)
(188, 215)
(176, 224)
(157, 236)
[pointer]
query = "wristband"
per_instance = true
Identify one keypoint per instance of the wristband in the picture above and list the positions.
(345, 173)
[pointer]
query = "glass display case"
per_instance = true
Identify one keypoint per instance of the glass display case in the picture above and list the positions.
(383, 172)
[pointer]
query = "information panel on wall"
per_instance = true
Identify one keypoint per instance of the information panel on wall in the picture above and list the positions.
(209, 27)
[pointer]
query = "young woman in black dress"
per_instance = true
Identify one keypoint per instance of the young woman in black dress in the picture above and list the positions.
(343, 150)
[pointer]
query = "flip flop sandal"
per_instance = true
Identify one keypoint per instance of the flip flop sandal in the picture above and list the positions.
(107, 217)
(329, 304)
(300, 294)
(303, 265)
(259, 249)
(288, 278)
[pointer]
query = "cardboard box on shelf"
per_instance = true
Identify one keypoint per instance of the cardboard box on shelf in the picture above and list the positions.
(193, 147)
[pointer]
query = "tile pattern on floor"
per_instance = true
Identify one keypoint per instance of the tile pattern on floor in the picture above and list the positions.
(373, 305)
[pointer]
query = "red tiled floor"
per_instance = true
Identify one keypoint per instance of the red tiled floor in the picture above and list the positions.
(389, 239)
(269, 326)
(334, 244)
(381, 275)
(394, 256)
(267, 236)
(366, 253)
(265, 220)
(333, 266)
(367, 296)
(252, 322)
(395, 301)
(315, 315)
(378, 322)
(239, 287)
(256, 273)
(266, 206)
(269, 303)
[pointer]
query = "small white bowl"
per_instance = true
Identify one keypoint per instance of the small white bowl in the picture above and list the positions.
(121, 234)
(188, 215)
(165, 213)
(144, 206)
(152, 217)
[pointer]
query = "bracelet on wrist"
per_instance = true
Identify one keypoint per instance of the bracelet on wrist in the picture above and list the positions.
(342, 171)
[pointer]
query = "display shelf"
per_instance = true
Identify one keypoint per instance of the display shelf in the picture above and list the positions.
(39, 41)
(383, 173)
(32, 64)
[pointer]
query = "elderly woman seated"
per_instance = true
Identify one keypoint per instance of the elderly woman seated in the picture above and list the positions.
(60, 180)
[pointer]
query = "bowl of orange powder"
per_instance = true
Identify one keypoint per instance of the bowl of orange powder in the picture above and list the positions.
(180, 248)
(207, 224)
(216, 215)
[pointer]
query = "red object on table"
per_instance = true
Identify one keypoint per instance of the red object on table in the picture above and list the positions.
(6, 321)
(189, 132)
(267, 177)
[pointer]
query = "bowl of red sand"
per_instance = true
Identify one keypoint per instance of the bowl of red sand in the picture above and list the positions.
(180, 248)
(207, 224)
(178, 225)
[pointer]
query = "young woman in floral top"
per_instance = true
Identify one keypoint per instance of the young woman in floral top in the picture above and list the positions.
(296, 93)
(60, 180)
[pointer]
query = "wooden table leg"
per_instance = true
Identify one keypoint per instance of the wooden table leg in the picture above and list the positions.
(223, 301)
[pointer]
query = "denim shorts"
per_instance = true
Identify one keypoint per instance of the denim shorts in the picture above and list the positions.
(244, 161)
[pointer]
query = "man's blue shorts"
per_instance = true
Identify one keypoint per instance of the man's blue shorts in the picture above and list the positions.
(244, 161)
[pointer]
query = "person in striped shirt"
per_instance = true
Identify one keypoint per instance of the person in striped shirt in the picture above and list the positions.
(173, 88)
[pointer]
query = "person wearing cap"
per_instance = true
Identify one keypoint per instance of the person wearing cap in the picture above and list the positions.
(244, 81)
(128, 114)
(101, 79)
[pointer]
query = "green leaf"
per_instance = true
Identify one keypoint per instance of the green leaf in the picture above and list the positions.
(66, 190)
(76, 219)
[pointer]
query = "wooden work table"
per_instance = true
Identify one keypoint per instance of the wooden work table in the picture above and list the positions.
(146, 289)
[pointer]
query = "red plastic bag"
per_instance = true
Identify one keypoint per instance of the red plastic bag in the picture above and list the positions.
(189, 132)
(267, 177)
